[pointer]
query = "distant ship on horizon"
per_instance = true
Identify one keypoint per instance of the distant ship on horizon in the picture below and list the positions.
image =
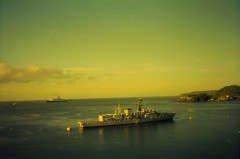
(58, 99)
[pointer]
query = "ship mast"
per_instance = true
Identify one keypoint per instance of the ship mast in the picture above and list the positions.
(140, 104)
(119, 111)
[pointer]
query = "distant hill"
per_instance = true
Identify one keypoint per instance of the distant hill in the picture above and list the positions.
(233, 90)
(211, 92)
(226, 93)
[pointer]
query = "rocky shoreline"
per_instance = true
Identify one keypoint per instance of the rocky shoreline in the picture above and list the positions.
(206, 98)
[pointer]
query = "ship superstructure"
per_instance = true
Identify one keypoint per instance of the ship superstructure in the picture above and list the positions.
(142, 115)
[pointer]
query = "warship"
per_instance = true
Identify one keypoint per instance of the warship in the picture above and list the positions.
(142, 115)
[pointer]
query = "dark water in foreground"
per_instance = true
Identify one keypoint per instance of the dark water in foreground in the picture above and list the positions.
(35, 129)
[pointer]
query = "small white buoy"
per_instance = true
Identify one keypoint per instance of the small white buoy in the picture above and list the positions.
(190, 117)
(68, 129)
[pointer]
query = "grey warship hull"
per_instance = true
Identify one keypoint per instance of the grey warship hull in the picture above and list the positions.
(142, 115)
(161, 117)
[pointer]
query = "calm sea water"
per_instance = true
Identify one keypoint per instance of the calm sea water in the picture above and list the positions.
(36, 129)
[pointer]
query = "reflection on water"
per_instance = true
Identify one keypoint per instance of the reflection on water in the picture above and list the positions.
(136, 133)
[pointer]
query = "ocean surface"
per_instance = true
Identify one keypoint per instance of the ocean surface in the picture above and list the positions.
(36, 129)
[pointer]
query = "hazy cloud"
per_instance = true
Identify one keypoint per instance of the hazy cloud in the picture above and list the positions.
(27, 74)
(33, 73)
(81, 70)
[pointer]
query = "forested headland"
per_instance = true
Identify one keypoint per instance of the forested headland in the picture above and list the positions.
(227, 93)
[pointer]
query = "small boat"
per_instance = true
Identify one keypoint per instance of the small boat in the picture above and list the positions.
(58, 99)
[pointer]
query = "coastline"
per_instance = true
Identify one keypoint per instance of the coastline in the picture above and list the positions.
(227, 93)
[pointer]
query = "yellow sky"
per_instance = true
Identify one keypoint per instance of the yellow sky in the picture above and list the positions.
(88, 49)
